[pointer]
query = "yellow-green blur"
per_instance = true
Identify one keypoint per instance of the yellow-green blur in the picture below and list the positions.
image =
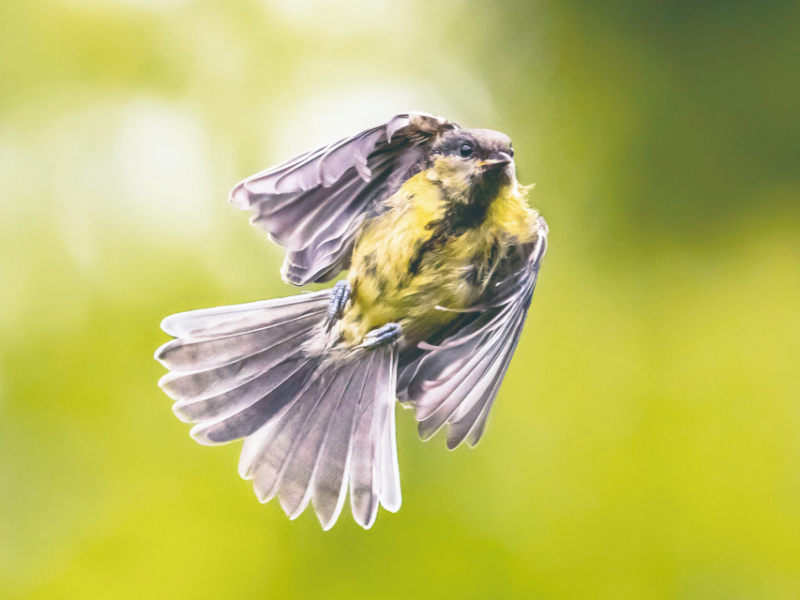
(646, 441)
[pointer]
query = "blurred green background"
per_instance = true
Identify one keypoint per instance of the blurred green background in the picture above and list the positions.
(646, 443)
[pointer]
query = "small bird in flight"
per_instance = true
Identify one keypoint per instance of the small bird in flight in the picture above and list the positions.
(442, 254)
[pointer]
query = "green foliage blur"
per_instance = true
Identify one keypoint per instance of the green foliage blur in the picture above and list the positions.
(646, 442)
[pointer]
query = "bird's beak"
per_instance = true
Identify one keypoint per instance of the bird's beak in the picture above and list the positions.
(497, 160)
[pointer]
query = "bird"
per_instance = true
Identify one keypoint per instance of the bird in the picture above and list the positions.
(441, 253)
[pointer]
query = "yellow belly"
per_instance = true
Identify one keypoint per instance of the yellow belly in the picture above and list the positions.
(400, 275)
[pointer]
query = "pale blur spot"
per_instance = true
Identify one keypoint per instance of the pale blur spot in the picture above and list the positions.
(143, 4)
(15, 296)
(141, 166)
(312, 120)
(334, 20)
(163, 165)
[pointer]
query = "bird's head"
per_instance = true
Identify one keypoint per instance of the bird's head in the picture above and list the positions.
(472, 165)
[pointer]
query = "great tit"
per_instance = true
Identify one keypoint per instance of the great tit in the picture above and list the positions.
(442, 254)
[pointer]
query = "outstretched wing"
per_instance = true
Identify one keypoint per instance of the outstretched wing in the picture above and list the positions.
(313, 205)
(456, 381)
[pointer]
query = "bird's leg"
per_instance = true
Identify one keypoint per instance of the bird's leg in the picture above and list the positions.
(339, 298)
(387, 334)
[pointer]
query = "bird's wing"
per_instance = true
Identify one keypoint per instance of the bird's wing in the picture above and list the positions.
(313, 205)
(456, 380)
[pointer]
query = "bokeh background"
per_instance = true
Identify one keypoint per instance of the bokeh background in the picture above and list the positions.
(646, 443)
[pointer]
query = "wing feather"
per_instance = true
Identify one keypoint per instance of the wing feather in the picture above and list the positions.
(456, 381)
(313, 204)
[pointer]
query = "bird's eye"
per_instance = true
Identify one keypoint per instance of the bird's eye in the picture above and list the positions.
(511, 152)
(466, 149)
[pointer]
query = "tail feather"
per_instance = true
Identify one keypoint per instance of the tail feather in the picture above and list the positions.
(251, 418)
(276, 451)
(363, 487)
(192, 354)
(389, 474)
(296, 486)
(312, 423)
(237, 399)
(240, 318)
(331, 478)
(374, 477)
(199, 385)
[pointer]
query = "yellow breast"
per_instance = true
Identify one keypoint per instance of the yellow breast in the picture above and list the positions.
(400, 273)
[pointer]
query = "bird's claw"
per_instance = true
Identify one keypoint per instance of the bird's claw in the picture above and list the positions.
(387, 334)
(339, 298)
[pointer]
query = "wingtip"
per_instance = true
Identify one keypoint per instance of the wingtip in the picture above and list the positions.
(396, 124)
(542, 225)
(474, 438)
(425, 434)
(239, 196)
(453, 444)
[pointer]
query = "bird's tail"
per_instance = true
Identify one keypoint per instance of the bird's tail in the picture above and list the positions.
(313, 422)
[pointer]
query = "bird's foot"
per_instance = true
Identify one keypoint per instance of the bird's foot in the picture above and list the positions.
(339, 298)
(387, 334)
